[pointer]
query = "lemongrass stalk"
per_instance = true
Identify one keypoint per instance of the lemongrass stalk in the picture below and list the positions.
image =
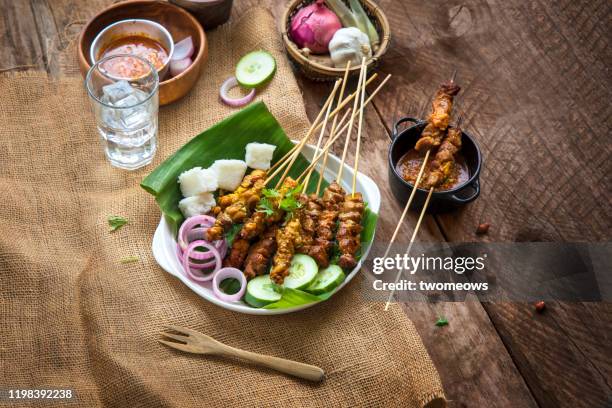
(343, 12)
(365, 24)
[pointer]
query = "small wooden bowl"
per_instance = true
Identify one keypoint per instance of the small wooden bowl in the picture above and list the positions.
(177, 21)
(320, 67)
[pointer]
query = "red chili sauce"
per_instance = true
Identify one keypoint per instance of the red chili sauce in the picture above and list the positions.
(140, 46)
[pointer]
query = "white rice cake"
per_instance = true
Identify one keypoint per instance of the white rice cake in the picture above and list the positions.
(197, 181)
(229, 173)
(259, 155)
(197, 205)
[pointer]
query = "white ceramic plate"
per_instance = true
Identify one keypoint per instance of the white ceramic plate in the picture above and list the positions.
(164, 244)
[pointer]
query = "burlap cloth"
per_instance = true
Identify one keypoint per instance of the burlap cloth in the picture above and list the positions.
(72, 315)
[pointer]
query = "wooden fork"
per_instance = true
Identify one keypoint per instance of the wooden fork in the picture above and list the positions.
(195, 342)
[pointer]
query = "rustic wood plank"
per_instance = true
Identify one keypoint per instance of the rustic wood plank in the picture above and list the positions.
(532, 84)
(19, 43)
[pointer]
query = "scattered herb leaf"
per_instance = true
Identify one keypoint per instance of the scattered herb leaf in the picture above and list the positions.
(116, 222)
(129, 259)
(442, 321)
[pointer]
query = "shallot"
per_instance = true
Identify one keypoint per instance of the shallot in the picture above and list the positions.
(183, 49)
(313, 27)
(177, 67)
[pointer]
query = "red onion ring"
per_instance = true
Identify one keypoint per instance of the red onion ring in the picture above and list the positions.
(221, 246)
(195, 265)
(188, 254)
(225, 273)
(230, 83)
(205, 221)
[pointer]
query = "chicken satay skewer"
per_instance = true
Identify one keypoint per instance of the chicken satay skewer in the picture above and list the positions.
(332, 132)
(323, 128)
(413, 192)
(456, 144)
(351, 211)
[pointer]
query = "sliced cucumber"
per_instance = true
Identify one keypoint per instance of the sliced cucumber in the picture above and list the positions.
(326, 280)
(255, 68)
(260, 292)
(302, 272)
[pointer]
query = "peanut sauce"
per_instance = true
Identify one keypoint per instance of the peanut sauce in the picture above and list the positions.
(140, 46)
(410, 164)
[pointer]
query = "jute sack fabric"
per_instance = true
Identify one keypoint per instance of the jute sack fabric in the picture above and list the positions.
(73, 316)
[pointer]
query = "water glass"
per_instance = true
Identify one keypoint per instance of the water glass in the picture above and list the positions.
(123, 90)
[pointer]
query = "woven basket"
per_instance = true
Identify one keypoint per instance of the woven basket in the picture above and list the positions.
(320, 67)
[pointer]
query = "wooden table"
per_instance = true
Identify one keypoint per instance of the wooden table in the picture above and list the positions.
(536, 94)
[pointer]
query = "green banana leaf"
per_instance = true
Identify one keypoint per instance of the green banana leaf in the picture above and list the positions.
(225, 140)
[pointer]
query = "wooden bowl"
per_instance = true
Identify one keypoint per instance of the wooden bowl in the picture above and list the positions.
(320, 67)
(177, 21)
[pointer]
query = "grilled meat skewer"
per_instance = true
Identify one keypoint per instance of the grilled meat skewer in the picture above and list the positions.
(349, 230)
(237, 254)
(312, 206)
(259, 220)
(288, 239)
(260, 254)
(333, 196)
(442, 165)
(237, 212)
(247, 182)
(438, 120)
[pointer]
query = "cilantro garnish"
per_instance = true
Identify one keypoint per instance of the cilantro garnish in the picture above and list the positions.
(442, 321)
(270, 193)
(116, 222)
(266, 206)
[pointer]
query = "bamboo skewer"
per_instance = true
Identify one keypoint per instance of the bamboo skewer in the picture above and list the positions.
(408, 203)
(301, 144)
(323, 128)
(359, 127)
(348, 135)
(414, 234)
(331, 115)
(320, 154)
(378, 88)
(423, 210)
(332, 132)
(328, 102)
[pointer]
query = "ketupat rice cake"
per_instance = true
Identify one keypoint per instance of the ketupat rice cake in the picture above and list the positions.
(197, 205)
(197, 180)
(259, 155)
(229, 173)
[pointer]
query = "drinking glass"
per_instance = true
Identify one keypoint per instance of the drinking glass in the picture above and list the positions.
(125, 102)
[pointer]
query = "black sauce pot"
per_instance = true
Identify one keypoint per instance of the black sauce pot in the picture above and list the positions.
(443, 201)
